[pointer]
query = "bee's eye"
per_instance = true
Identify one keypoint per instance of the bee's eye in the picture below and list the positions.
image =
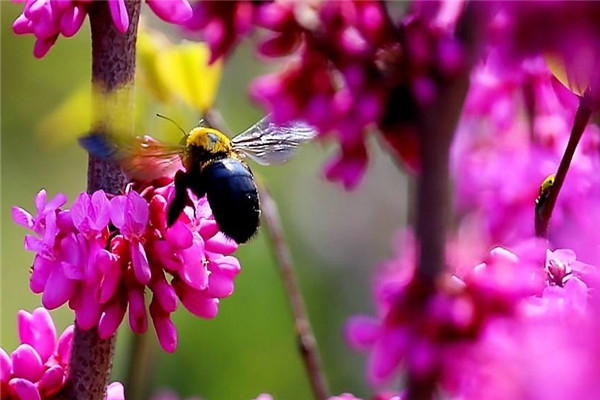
(213, 138)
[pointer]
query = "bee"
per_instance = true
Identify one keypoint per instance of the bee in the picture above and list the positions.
(207, 162)
(544, 192)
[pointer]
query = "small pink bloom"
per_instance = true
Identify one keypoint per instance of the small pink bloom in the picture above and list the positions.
(173, 11)
(38, 368)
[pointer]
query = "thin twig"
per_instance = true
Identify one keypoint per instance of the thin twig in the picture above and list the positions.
(306, 340)
(544, 213)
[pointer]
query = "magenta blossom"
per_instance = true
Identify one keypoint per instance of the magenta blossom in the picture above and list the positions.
(102, 255)
(356, 69)
(420, 328)
(47, 19)
(38, 368)
(521, 117)
(221, 24)
(547, 351)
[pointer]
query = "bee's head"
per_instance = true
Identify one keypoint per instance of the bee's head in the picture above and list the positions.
(208, 139)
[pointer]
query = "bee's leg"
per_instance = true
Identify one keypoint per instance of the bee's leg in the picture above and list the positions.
(178, 203)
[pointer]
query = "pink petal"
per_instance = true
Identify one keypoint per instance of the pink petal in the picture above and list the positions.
(38, 330)
(193, 272)
(219, 285)
(361, 332)
(117, 208)
(220, 244)
(23, 389)
(115, 391)
(109, 265)
(65, 342)
(40, 198)
(73, 261)
(195, 301)
(141, 268)
(164, 252)
(119, 15)
(208, 228)
(179, 235)
(164, 294)
(42, 268)
(228, 264)
(87, 314)
(80, 209)
(42, 46)
(59, 289)
(26, 363)
(52, 381)
(386, 356)
(71, 20)
(57, 201)
(165, 329)
(22, 25)
(101, 207)
(5, 366)
(139, 212)
(173, 11)
(62, 5)
(22, 217)
(138, 319)
(111, 318)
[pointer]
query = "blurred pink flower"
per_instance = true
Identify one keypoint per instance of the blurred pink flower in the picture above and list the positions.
(419, 328)
(565, 32)
(101, 255)
(221, 23)
(356, 69)
(38, 368)
(47, 19)
(521, 117)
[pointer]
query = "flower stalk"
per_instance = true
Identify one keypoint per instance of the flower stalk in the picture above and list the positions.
(306, 340)
(113, 71)
(544, 212)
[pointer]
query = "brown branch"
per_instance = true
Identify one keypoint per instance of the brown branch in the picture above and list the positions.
(544, 212)
(113, 70)
(306, 340)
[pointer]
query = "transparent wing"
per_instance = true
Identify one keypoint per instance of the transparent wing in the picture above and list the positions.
(143, 158)
(269, 143)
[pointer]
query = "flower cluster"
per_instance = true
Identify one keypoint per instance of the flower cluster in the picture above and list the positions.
(221, 24)
(102, 254)
(548, 351)
(422, 328)
(356, 69)
(38, 368)
(47, 19)
(521, 117)
(467, 334)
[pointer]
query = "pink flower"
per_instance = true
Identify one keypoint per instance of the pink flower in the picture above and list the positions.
(420, 328)
(521, 116)
(47, 19)
(38, 368)
(354, 71)
(103, 268)
(221, 24)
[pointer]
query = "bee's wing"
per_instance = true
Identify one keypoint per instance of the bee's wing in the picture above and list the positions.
(143, 158)
(268, 143)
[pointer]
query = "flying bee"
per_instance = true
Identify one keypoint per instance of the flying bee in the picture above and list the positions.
(208, 163)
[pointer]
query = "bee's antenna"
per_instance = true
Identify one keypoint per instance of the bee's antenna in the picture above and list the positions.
(173, 122)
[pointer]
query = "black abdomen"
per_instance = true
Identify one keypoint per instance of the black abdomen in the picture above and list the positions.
(233, 198)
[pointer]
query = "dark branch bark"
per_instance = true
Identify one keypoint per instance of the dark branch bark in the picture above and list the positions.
(113, 70)
(544, 213)
(306, 340)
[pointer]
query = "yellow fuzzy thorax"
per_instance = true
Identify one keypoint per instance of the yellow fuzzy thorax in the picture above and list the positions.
(209, 139)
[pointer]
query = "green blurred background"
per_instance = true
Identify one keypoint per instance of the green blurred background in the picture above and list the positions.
(337, 238)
